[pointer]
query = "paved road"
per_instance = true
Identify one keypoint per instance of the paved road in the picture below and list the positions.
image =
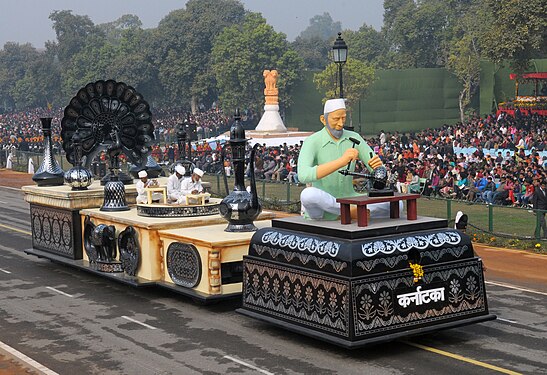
(73, 322)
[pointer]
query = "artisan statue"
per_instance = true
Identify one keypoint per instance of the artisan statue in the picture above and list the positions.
(326, 152)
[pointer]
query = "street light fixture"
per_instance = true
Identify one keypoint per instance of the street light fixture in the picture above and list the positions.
(340, 56)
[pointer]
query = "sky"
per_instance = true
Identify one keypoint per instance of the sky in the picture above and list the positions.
(25, 21)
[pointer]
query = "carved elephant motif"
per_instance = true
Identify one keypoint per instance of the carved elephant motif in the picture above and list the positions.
(103, 238)
(99, 241)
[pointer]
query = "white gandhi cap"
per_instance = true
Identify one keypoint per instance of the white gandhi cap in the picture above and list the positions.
(199, 172)
(332, 105)
(180, 169)
(143, 174)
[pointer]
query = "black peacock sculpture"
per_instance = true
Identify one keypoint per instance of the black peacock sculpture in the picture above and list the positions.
(101, 109)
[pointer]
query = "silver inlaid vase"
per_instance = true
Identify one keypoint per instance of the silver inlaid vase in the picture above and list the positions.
(49, 173)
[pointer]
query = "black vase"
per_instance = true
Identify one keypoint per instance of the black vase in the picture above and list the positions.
(49, 173)
(152, 168)
(240, 208)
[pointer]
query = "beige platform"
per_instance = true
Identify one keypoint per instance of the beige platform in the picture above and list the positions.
(64, 197)
(57, 221)
(152, 249)
(215, 247)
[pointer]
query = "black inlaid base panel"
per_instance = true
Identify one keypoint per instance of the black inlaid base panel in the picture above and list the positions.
(176, 211)
(360, 257)
(360, 309)
(376, 227)
(366, 342)
(109, 267)
(56, 230)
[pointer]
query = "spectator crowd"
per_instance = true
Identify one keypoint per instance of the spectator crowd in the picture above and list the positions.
(23, 130)
(426, 161)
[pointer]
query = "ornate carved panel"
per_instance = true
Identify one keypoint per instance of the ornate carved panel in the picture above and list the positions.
(300, 297)
(183, 264)
(56, 230)
(177, 211)
(379, 303)
(130, 250)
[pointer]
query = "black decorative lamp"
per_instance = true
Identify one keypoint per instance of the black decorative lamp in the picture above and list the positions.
(340, 56)
(114, 189)
(153, 169)
(49, 173)
(182, 137)
(240, 207)
(183, 141)
(78, 177)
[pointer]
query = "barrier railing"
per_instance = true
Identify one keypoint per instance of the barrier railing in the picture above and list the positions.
(502, 221)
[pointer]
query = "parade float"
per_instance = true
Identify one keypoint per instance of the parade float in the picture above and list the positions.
(81, 223)
(350, 283)
(535, 102)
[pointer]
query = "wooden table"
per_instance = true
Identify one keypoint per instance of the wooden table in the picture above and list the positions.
(202, 196)
(160, 189)
(363, 201)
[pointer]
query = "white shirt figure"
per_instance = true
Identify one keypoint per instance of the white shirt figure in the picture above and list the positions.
(9, 162)
(174, 182)
(192, 184)
(141, 185)
(30, 166)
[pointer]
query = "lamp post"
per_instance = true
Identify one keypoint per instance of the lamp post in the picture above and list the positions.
(340, 56)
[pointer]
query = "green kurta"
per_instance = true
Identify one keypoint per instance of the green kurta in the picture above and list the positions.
(320, 148)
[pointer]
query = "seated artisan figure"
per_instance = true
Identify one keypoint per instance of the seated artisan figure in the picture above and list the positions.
(174, 184)
(143, 183)
(192, 184)
(326, 152)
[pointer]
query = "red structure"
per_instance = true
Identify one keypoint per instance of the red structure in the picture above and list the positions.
(526, 104)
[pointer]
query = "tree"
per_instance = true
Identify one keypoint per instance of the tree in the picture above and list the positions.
(517, 32)
(183, 45)
(72, 31)
(113, 30)
(90, 64)
(41, 83)
(367, 44)
(357, 78)
(314, 51)
(134, 63)
(15, 60)
(321, 26)
(415, 32)
(240, 55)
(464, 52)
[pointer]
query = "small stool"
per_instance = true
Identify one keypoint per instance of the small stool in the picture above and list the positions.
(161, 189)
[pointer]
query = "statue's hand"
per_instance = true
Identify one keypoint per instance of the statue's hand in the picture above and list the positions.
(350, 155)
(375, 162)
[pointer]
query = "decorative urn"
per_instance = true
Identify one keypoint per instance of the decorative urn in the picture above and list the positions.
(49, 173)
(240, 207)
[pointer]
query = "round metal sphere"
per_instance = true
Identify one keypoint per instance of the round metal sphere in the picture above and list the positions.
(79, 178)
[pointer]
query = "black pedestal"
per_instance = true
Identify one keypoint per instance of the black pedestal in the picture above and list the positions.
(358, 290)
